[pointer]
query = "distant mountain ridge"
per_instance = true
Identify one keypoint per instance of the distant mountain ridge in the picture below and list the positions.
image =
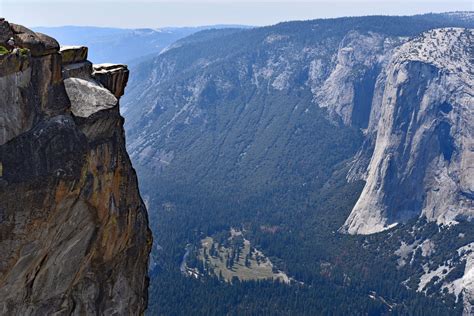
(122, 45)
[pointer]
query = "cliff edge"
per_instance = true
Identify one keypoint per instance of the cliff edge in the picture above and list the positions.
(422, 163)
(74, 236)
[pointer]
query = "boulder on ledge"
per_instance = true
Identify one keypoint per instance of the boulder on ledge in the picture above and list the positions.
(39, 44)
(114, 77)
(73, 54)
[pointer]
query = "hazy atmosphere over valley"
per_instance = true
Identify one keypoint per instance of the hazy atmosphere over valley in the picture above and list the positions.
(236, 157)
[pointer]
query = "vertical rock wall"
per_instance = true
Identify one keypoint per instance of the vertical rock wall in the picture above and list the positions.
(74, 236)
(422, 163)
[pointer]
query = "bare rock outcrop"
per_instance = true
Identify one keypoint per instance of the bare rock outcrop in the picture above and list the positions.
(423, 161)
(347, 92)
(73, 54)
(74, 236)
(31, 82)
(112, 77)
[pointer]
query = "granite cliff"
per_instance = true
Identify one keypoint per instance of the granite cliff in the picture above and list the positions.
(74, 236)
(419, 152)
(422, 160)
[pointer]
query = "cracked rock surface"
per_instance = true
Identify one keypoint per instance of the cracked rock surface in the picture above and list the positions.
(74, 236)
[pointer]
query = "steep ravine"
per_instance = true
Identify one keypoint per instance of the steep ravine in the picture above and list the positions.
(74, 236)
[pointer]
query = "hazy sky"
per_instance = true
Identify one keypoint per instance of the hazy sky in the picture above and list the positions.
(159, 13)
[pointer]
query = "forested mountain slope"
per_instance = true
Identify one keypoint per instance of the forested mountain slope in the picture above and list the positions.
(269, 132)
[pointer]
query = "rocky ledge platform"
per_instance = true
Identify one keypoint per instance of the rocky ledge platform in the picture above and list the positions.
(74, 236)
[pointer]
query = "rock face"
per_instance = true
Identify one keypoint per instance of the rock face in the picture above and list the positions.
(423, 160)
(348, 91)
(73, 54)
(74, 235)
(112, 77)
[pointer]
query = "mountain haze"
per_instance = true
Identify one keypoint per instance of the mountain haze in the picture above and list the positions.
(120, 45)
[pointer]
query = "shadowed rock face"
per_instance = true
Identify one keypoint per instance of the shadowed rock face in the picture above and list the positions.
(74, 235)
